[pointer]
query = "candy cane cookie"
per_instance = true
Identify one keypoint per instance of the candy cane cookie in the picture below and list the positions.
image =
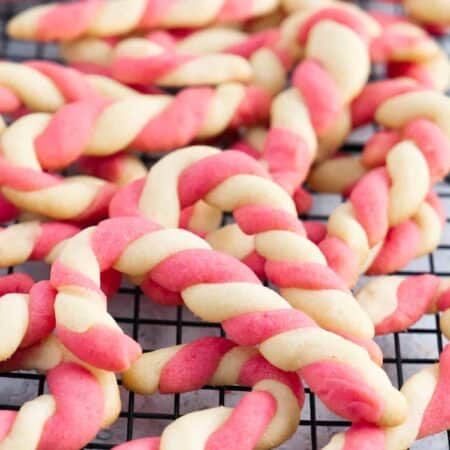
(324, 176)
(208, 56)
(426, 393)
(81, 401)
(70, 21)
(46, 86)
(409, 51)
(41, 141)
(149, 123)
(311, 118)
(147, 60)
(233, 182)
(24, 183)
(217, 288)
(412, 238)
(389, 195)
(264, 418)
(394, 303)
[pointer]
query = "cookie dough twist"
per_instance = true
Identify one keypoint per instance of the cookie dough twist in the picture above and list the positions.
(150, 123)
(409, 51)
(428, 413)
(63, 418)
(389, 195)
(351, 168)
(104, 18)
(312, 116)
(24, 184)
(154, 59)
(217, 288)
(323, 177)
(41, 141)
(46, 86)
(208, 56)
(413, 238)
(394, 303)
(265, 214)
(263, 419)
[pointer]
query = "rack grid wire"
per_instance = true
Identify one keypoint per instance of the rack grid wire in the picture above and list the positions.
(154, 326)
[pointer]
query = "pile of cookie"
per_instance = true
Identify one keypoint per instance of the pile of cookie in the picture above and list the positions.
(283, 83)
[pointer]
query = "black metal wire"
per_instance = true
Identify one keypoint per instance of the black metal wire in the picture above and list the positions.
(135, 322)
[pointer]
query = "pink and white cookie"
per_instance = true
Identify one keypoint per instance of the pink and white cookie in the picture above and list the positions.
(73, 20)
(81, 401)
(389, 195)
(217, 288)
(428, 413)
(265, 418)
(267, 235)
(207, 56)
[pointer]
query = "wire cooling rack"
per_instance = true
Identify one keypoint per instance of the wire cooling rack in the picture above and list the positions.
(154, 326)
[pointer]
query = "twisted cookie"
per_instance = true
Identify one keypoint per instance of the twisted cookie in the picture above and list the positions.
(395, 303)
(312, 116)
(208, 56)
(388, 196)
(276, 247)
(413, 238)
(63, 418)
(104, 18)
(46, 86)
(324, 177)
(217, 288)
(155, 60)
(419, 234)
(409, 51)
(41, 141)
(264, 418)
(428, 414)
(150, 123)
